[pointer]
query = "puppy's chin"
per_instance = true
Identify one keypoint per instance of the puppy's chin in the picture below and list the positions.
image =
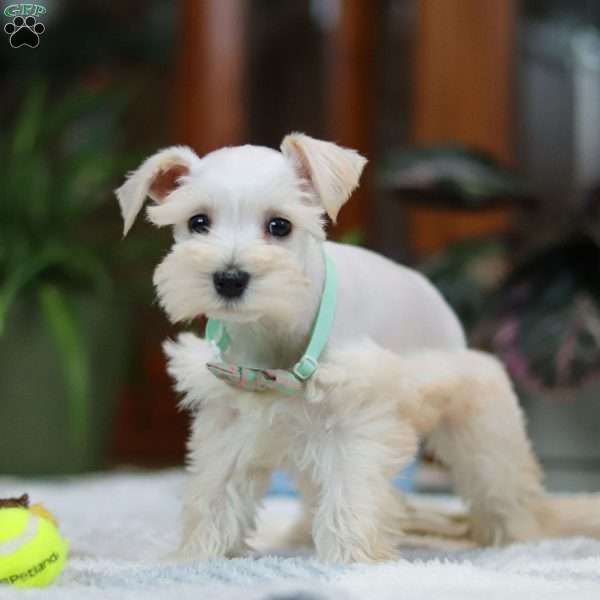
(258, 305)
(234, 313)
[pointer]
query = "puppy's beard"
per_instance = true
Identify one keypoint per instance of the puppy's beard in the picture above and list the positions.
(278, 289)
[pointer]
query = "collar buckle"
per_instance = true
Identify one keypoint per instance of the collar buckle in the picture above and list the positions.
(304, 369)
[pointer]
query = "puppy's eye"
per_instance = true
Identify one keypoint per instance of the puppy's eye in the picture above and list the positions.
(199, 224)
(279, 227)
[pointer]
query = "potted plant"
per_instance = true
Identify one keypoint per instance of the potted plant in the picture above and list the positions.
(63, 335)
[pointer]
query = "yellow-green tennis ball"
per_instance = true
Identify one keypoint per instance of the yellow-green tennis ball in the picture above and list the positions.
(32, 552)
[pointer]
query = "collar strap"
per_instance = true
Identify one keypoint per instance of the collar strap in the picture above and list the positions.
(304, 369)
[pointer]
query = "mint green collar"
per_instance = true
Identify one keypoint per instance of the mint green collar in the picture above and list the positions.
(308, 364)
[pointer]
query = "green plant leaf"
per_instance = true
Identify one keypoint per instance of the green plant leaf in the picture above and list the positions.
(85, 265)
(87, 178)
(72, 106)
(29, 121)
(66, 332)
(19, 278)
(354, 237)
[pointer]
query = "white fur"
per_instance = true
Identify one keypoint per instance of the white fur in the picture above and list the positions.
(329, 171)
(132, 194)
(395, 368)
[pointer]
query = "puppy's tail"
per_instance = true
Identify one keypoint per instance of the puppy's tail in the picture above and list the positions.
(571, 516)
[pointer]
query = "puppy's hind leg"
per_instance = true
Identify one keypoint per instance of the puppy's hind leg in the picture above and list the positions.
(425, 521)
(481, 438)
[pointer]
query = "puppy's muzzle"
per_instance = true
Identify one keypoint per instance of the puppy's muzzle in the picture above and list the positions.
(231, 283)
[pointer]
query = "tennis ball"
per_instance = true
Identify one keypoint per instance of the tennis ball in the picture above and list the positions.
(32, 552)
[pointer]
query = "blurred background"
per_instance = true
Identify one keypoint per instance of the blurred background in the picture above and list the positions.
(481, 119)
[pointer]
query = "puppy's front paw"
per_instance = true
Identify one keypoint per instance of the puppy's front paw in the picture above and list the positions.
(177, 557)
(199, 547)
(336, 549)
(358, 554)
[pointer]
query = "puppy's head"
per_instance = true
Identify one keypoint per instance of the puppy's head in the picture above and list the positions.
(243, 219)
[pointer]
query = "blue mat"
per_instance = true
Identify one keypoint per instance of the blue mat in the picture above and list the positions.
(282, 485)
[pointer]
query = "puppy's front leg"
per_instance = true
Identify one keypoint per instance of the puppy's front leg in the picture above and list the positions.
(224, 486)
(358, 516)
(300, 535)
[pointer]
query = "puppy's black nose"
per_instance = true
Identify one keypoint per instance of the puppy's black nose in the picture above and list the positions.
(231, 283)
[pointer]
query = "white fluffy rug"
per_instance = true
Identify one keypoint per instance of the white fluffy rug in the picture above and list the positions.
(120, 525)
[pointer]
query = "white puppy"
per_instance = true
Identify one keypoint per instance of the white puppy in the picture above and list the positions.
(249, 251)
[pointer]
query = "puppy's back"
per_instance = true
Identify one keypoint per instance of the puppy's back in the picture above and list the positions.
(393, 305)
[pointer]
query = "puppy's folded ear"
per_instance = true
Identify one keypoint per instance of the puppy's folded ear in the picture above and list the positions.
(330, 171)
(156, 177)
